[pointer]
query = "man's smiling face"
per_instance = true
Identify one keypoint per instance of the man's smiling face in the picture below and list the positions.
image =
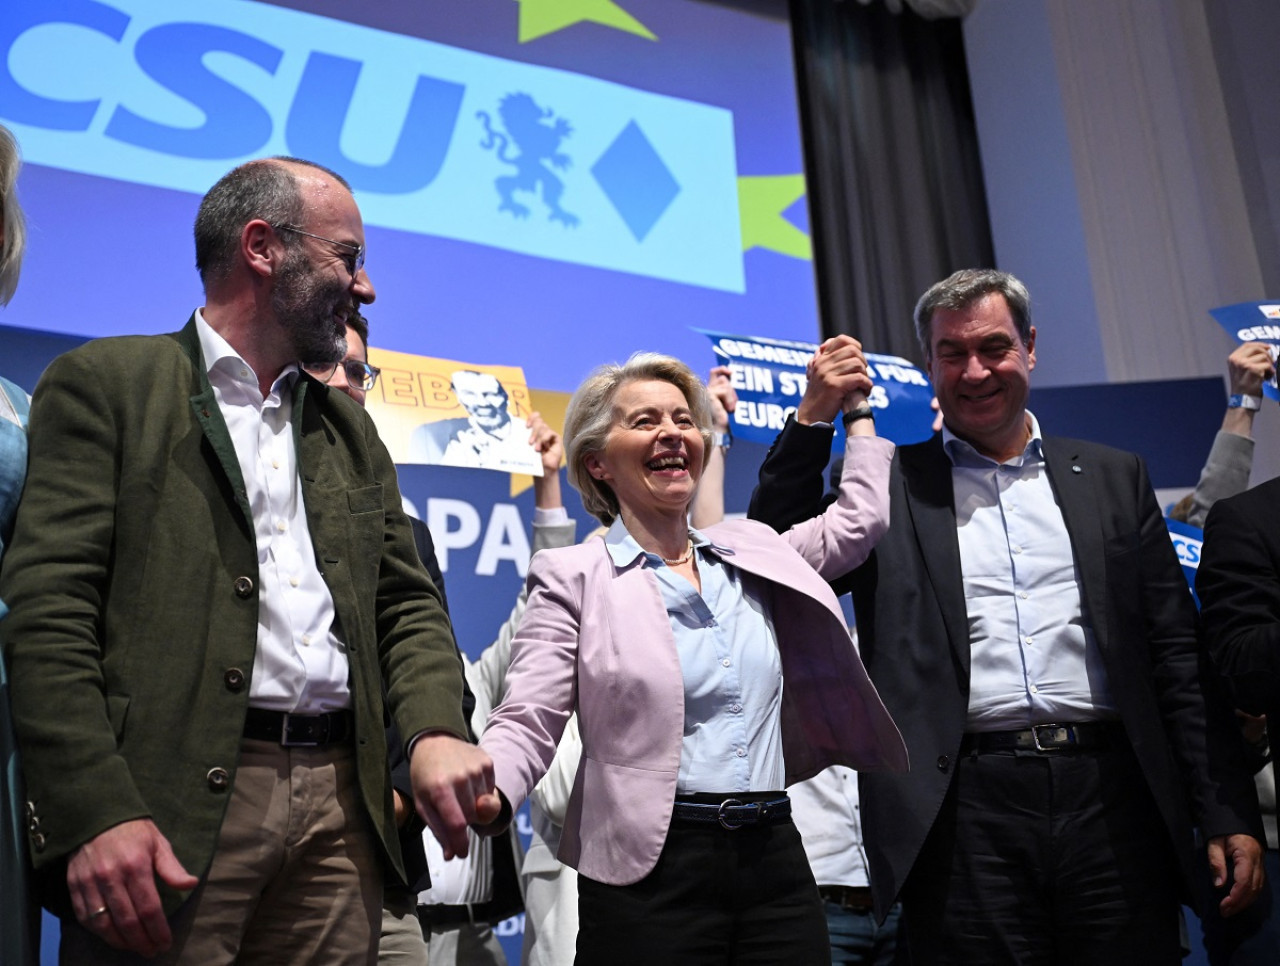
(981, 372)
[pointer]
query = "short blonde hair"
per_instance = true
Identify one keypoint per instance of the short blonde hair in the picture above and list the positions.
(590, 418)
(15, 227)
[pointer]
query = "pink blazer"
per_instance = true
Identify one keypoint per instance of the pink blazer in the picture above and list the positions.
(597, 639)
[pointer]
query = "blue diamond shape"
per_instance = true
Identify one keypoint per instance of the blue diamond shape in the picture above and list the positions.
(635, 180)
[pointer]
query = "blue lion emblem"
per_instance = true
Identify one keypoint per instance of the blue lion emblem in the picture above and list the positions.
(538, 142)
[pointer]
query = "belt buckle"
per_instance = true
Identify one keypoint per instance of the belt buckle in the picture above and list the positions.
(1063, 737)
(724, 819)
(288, 741)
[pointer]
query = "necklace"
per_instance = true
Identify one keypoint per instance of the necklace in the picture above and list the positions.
(680, 561)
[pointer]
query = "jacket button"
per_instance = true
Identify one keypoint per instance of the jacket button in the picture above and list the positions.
(234, 680)
(218, 779)
(244, 586)
(33, 825)
(38, 841)
(943, 763)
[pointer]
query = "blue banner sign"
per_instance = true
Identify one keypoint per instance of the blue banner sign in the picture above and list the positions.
(1254, 322)
(434, 139)
(769, 376)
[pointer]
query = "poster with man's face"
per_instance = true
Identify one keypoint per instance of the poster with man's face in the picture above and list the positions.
(447, 413)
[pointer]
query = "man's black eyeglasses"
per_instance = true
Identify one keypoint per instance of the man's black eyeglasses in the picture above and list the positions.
(359, 374)
(354, 261)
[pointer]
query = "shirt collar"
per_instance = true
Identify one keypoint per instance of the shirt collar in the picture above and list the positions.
(221, 358)
(624, 550)
(963, 454)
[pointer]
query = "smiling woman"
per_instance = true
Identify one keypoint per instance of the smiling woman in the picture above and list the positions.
(673, 645)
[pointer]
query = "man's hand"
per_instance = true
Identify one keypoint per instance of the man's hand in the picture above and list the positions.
(453, 788)
(1248, 367)
(112, 880)
(837, 372)
(724, 398)
(1244, 853)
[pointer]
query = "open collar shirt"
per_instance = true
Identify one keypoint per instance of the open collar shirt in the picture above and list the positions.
(732, 671)
(1033, 655)
(300, 664)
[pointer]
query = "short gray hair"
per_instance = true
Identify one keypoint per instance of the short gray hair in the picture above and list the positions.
(15, 226)
(961, 289)
(265, 189)
(590, 418)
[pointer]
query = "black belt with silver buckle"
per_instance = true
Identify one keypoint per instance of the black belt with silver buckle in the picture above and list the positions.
(733, 813)
(1044, 738)
(298, 730)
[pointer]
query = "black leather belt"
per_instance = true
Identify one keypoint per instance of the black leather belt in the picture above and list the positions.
(856, 898)
(1045, 739)
(440, 916)
(302, 730)
(733, 813)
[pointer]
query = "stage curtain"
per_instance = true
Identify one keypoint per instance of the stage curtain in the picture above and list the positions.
(895, 191)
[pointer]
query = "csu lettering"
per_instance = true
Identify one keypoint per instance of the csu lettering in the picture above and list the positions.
(235, 123)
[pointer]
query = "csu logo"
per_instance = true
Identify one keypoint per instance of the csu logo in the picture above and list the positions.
(236, 124)
(171, 93)
(1187, 549)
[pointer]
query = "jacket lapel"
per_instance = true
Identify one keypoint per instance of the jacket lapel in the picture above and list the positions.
(1072, 484)
(209, 417)
(929, 500)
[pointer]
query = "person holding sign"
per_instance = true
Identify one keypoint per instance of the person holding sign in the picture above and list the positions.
(1028, 624)
(708, 670)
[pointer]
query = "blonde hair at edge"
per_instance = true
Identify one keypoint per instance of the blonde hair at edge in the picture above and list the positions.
(590, 418)
(15, 232)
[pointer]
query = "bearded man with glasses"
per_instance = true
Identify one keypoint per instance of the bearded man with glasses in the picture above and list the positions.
(210, 579)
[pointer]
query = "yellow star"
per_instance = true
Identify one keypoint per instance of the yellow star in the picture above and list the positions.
(541, 17)
(761, 202)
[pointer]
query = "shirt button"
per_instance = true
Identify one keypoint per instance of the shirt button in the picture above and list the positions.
(742, 753)
(726, 662)
(275, 464)
(735, 708)
(1029, 640)
(1024, 595)
(293, 581)
(281, 526)
(1034, 689)
(244, 373)
(1017, 550)
(306, 639)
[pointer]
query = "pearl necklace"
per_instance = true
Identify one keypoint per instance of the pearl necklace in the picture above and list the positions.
(680, 561)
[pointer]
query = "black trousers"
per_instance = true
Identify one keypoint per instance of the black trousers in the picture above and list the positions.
(1046, 860)
(728, 898)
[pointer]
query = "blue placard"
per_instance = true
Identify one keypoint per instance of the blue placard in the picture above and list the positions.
(769, 376)
(1254, 322)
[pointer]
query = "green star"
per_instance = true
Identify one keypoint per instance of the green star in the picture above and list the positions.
(761, 202)
(541, 17)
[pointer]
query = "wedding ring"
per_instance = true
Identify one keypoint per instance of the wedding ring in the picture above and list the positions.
(97, 912)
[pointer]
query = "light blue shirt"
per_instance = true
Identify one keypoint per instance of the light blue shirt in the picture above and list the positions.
(1032, 652)
(732, 671)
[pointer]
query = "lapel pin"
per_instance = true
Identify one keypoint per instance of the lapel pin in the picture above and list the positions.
(1076, 469)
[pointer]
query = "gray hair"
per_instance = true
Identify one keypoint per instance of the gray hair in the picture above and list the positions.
(961, 289)
(265, 189)
(590, 418)
(15, 226)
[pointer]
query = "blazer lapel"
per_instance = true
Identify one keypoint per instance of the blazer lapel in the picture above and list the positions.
(209, 417)
(930, 504)
(1073, 485)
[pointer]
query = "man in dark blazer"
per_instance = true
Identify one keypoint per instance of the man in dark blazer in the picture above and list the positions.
(1027, 624)
(1238, 581)
(210, 579)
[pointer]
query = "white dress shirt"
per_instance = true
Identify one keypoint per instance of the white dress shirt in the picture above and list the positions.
(300, 664)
